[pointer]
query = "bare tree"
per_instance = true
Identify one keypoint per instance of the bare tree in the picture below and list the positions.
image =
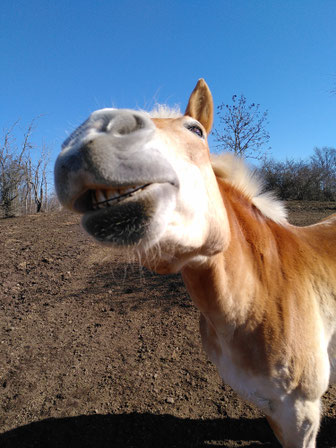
(23, 179)
(323, 163)
(52, 203)
(38, 179)
(243, 128)
(312, 179)
(12, 169)
(290, 179)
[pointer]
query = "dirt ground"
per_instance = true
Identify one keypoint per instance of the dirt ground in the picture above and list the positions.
(98, 353)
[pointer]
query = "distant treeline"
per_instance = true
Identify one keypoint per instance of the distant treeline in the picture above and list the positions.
(23, 174)
(310, 180)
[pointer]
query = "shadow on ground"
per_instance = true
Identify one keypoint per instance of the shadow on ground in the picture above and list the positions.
(148, 430)
(138, 430)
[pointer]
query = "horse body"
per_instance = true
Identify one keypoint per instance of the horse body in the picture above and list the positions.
(268, 323)
(266, 290)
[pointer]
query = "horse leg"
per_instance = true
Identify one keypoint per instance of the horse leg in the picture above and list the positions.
(276, 429)
(296, 422)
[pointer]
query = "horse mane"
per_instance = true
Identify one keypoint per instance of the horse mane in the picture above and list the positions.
(235, 172)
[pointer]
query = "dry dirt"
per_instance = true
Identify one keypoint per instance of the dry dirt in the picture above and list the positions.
(95, 353)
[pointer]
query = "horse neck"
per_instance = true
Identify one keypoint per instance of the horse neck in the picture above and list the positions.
(234, 283)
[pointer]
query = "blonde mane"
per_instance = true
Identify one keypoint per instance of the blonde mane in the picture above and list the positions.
(234, 171)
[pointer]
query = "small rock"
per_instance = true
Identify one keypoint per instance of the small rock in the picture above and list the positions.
(170, 400)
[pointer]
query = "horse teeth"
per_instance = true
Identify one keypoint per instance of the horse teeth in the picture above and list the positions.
(102, 198)
(111, 194)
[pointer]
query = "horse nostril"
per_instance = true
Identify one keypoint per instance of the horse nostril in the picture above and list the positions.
(124, 124)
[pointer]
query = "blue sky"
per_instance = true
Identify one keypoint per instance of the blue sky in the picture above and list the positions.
(63, 59)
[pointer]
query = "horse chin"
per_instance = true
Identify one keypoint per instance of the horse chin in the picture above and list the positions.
(135, 222)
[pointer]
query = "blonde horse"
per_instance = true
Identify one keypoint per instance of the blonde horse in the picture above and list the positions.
(266, 290)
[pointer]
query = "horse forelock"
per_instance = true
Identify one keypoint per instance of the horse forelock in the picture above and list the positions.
(165, 111)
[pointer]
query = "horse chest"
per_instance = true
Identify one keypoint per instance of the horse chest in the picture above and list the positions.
(254, 387)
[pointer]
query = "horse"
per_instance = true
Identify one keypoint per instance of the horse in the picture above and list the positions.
(266, 290)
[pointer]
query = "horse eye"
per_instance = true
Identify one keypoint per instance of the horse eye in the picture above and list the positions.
(196, 130)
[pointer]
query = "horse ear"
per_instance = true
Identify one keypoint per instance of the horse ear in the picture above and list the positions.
(200, 105)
